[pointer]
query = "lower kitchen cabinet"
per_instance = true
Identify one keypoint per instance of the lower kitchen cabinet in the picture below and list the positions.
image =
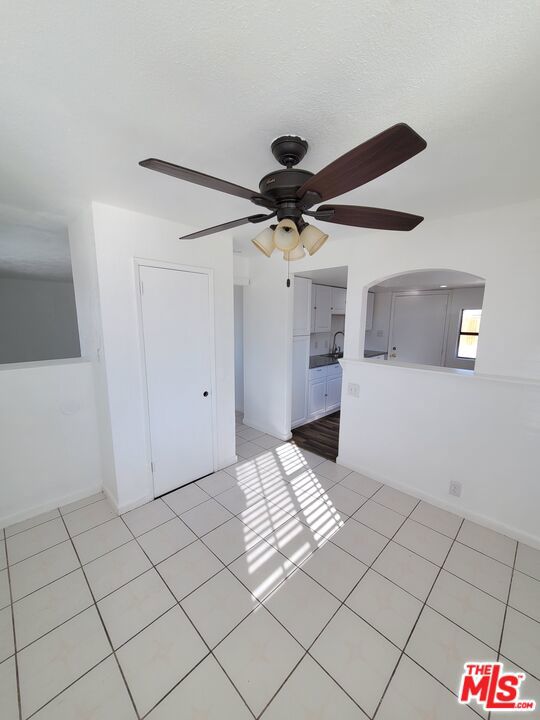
(324, 393)
(317, 397)
(333, 393)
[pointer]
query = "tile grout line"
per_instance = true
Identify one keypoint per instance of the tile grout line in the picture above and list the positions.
(104, 628)
(68, 538)
(440, 567)
(407, 517)
(393, 582)
(137, 576)
(178, 604)
(71, 684)
(340, 606)
(506, 609)
(68, 512)
(201, 537)
(44, 522)
(415, 624)
(15, 653)
(226, 566)
(260, 603)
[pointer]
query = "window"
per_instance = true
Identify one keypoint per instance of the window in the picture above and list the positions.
(468, 334)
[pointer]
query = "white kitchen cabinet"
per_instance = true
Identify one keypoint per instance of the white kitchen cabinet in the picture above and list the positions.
(322, 308)
(324, 392)
(333, 393)
(339, 296)
(317, 397)
(369, 310)
(302, 306)
(300, 365)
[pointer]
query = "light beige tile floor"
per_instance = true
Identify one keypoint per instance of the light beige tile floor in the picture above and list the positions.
(281, 587)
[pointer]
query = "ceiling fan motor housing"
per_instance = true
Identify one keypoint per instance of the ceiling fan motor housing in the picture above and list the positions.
(289, 150)
(281, 187)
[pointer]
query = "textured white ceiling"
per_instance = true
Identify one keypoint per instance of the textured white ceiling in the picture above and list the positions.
(89, 89)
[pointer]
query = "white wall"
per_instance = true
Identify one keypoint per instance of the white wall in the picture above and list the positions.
(240, 269)
(500, 245)
(38, 320)
(85, 279)
(49, 448)
(119, 236)
(239, 347)
(419, 429)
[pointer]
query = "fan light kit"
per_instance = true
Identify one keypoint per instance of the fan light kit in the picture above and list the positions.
(290, 194)
(285, 237)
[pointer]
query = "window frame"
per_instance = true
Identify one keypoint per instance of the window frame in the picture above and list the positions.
(462, 332)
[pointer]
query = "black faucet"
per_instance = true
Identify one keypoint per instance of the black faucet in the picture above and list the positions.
(334, 350)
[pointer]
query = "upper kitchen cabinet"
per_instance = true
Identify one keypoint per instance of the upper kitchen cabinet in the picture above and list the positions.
(322, 309)
(302, 306)
(339, 296)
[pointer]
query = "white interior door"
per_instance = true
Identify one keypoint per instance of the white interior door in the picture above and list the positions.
(178, 342)
(418, 328)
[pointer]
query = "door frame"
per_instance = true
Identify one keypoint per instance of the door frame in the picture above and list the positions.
(144, 262)
(445, 328)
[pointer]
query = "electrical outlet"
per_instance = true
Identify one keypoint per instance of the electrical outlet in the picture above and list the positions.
(326, 344)
(455, 488)
(353, 389)
(316, 345)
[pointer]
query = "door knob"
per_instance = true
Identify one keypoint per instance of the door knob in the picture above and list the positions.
(205, 393)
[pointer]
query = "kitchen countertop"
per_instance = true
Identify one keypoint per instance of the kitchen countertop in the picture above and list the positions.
(316, 361)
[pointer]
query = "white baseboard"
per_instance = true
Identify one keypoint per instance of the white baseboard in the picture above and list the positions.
(228, 463)
(7, 520)
(126, 507)
(267, 430)
(500, 527)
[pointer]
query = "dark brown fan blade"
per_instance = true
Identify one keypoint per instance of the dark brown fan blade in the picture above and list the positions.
(227, 226)
(367, 217)
(208, 181)
(369, 160)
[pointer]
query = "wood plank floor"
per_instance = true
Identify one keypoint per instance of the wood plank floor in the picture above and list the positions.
(320, 436)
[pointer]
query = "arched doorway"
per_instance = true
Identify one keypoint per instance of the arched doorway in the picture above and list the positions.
(426, 317)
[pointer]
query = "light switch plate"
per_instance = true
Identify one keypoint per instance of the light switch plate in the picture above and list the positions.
(353, 389)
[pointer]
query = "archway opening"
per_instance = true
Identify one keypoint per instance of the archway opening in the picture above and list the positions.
(425, 317)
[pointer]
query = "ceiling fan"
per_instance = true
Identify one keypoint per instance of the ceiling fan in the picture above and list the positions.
(290, 194)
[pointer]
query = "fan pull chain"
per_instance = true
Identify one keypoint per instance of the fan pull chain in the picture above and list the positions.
(288, 272)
